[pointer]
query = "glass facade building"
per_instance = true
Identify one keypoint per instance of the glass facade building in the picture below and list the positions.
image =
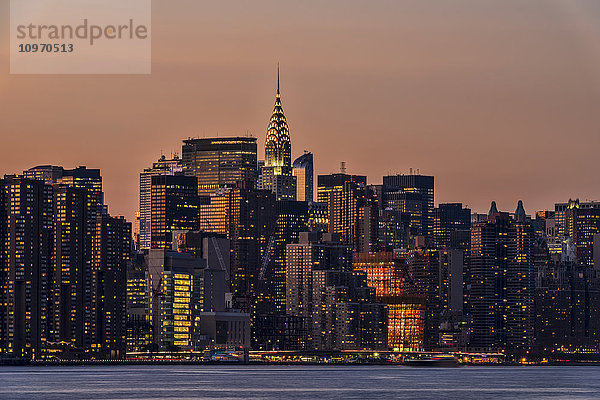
(220, 162)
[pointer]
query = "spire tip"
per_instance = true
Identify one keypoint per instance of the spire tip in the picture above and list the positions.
(278, 78)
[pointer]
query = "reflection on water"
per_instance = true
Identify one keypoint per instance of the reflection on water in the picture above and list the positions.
(296, 382)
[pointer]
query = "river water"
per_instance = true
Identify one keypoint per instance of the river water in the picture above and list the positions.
(298, 382)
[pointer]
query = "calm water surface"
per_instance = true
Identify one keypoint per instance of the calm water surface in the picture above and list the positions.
(298, 382)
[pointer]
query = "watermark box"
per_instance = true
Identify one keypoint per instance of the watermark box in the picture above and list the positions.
(80, 36)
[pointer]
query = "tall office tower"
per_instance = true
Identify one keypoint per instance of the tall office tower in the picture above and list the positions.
(220, 162)
(163, 166)
(90, 182)
(353, 213)
(183, 288)
(567, 307)
(72, 295)
(413, 194)
(335, 183)
(502, 280)
(139, 298)
(520, 283)
(423, 267)
(387, 274)
(292, 218)
(247, 217)
(318, 217)
(438, 276)
(304, 173)
(452, 226)
(177, 291)
(314, 252)
(582, 226)
(25, 262)
(277, 173)
(174, 204)
(560, 213)
(112, 252)
(345, 313)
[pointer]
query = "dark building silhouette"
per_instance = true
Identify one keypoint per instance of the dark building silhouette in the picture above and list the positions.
(451, 226)
(412, 194)
(346, 315)
(335, 183)
(72, 297)
(292, 218)
(314, 251)
(501, 299)
(567, 306)
(175, 206)
(25, 265)
(112, 253)
(247, 217)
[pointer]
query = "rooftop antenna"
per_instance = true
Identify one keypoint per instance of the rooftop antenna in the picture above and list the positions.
(343, 167)
(278, 78)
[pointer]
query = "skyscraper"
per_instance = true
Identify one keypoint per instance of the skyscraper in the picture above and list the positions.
(175, 205)
(292, 218)
(560, 213)
(277, 173)
(72, 296)
(353, 213)
(25, 262)
(314, 251)
(502, 281)
(183, 287)
(345, 314)
(60, 262)
(304, 173)
(247, 217)
(335, 182)
(452, 226)
(112, 252)
(413, 194)
(220, 162)
(406, 312)
(582, 225)
(163, 166)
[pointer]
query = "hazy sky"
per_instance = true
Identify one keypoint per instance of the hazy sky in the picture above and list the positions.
(500, 100)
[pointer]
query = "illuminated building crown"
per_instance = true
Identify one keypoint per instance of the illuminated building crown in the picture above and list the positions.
(278, 149)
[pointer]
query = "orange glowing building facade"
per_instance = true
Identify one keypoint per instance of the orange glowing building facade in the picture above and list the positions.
(406, 313)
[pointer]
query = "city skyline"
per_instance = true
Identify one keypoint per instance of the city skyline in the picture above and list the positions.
(502, 112)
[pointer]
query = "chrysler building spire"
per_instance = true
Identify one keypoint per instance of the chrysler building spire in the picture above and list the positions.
(278, 148)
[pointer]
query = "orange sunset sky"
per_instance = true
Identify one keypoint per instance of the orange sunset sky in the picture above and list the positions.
(499, 100)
